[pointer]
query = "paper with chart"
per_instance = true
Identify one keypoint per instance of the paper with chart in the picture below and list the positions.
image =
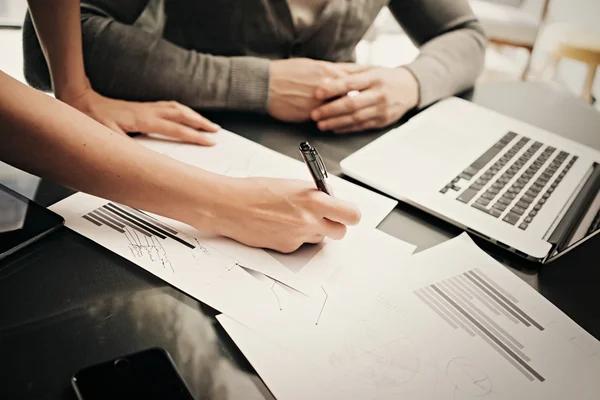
(195, 263)
(136, 235)
(215, 270)
(355, 267)
(454, 324)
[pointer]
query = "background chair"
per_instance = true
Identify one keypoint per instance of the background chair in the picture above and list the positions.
(567, 41)
(510, 23)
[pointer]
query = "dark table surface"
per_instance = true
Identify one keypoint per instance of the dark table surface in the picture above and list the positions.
(66, 303)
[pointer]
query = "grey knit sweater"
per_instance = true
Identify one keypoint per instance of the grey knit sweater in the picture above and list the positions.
(214, 54)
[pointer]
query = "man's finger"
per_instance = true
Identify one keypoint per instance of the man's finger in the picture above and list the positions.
(340, 87)
(182, 132)
(353, 68)
(372, 124)
(346, 105)
(337, 123)
(184, 115)
(333, 71)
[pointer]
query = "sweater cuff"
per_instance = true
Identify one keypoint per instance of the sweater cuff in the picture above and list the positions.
(423, 69)
(249, 84)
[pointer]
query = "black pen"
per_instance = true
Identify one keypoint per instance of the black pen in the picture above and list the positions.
(315, 165)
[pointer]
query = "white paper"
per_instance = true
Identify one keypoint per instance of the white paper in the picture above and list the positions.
(353, 271)
(234, 155)
(189, 260)
(397, 346)
(213, 269)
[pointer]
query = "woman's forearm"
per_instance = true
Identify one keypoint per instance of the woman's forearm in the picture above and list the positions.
(58, 27)
(50, 139)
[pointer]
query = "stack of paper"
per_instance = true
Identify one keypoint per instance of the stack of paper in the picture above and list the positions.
(448, 323)
(361, 318)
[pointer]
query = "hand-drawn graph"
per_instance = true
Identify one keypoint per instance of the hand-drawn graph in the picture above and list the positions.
(383, 364)
(150, 246)
(143, 232)
(468, 378)
(479, 306)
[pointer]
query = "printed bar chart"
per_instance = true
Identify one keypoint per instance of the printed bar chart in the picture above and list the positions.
(477, 305)
(119, 217)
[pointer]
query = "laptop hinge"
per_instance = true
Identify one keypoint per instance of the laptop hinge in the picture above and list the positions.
(564, 231)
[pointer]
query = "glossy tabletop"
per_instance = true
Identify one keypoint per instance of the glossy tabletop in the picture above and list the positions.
(66, 303)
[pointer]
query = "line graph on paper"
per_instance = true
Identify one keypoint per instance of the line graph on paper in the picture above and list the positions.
(484, 310)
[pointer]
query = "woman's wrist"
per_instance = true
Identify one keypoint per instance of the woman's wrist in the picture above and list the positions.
(198, 198)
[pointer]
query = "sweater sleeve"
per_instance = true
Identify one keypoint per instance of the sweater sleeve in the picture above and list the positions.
(123, 61)
(451, 41)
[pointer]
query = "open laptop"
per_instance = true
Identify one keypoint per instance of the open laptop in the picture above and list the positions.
(528, 190)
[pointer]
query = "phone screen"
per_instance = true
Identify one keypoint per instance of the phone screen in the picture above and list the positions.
(150, 374)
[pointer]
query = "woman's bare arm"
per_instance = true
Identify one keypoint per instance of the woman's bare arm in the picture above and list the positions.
(53, 140)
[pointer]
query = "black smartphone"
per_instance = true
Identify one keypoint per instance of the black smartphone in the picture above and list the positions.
(149, 374)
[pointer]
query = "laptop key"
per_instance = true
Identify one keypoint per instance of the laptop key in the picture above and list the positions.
(499, 206)
(485, 158)
(470, 171)
(511, 218)
(483, 202)
(523, 226)
(527, 198)
(518, 210)
(480, 207)
(488, 196)
(467, 195)
(494, 212)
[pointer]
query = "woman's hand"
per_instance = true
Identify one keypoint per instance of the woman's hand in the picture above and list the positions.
(281, 214)
(167, 118)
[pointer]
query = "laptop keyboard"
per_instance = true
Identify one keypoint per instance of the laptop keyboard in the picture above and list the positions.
(513, 188)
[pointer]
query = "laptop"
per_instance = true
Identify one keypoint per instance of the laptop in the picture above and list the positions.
(525, 189)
